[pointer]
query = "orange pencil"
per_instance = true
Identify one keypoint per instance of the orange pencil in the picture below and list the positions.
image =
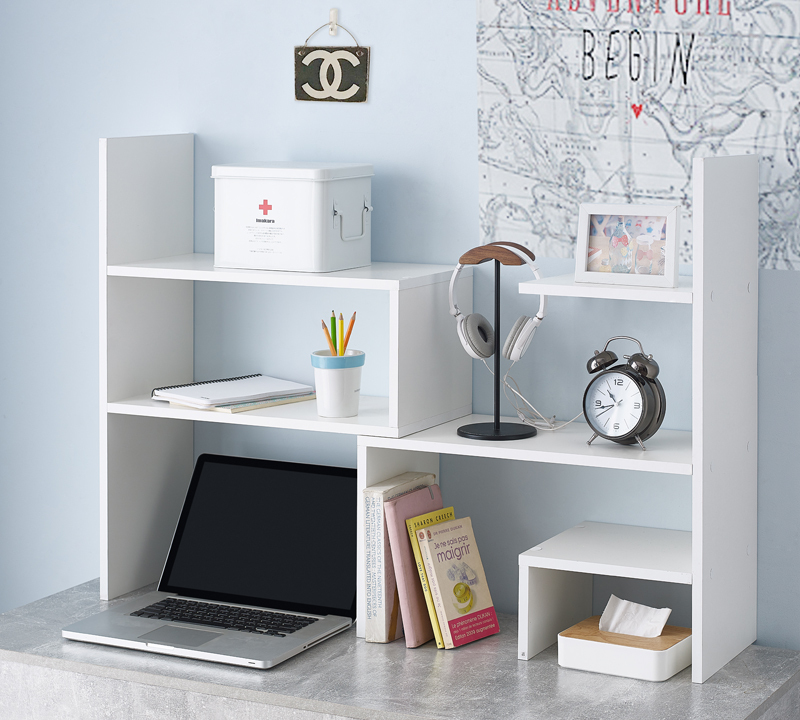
(349, 330)
(328, 338)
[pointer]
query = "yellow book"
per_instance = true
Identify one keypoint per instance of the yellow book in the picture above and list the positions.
(414, 524)
(457, 582)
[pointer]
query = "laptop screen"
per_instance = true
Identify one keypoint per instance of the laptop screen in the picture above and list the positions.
(267, 533)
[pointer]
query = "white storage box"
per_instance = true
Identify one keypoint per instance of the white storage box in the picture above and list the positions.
(585, 647)
(306, 217)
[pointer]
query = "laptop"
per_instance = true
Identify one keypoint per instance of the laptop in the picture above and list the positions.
(262, 566)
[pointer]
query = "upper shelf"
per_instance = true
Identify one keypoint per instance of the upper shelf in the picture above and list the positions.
(200, 266)
(373, 416)
(669, 451)
(565, 286)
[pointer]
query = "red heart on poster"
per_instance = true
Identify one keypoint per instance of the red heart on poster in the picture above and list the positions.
(637, 110)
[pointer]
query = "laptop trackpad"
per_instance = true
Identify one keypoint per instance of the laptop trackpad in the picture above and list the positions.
(171, 635)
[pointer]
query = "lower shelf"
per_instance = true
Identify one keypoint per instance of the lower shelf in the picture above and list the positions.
(669, 451)
(619, 550)
(555, 578)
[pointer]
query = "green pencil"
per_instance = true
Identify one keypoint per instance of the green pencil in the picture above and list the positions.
(333, 329)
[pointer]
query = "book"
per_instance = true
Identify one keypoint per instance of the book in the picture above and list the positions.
(458, 582)
(382, 608)
(252, 405)
(416, 621)
(412, 525)
(246, 388)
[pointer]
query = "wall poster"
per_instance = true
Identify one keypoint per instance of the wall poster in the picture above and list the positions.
(609, 101)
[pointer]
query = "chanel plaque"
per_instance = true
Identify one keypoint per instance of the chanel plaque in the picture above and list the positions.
(331, 74)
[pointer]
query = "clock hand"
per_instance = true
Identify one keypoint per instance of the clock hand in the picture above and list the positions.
(606, 409)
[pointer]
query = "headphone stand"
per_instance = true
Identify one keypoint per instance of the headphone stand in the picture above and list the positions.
(494, 430)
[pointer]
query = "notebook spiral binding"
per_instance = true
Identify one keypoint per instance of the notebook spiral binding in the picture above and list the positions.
(206, 382)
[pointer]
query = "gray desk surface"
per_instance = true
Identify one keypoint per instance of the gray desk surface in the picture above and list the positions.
(347, 677)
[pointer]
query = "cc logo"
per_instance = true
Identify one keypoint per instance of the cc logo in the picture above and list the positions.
(331, 74)
(331, 59)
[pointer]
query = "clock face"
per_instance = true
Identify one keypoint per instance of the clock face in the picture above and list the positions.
(613, 404)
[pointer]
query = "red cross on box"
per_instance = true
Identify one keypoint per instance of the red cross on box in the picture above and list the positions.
(265, 207)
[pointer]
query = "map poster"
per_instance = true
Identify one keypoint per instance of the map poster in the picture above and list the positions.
(609, 101)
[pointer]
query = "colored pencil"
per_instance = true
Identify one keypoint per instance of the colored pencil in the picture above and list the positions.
(341, 334)
(349, 330)
(333, 333)
(328, 338)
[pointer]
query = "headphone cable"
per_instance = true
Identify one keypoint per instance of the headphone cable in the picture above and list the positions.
(534, 418)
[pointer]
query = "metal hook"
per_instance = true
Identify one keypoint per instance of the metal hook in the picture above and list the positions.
(332, 25)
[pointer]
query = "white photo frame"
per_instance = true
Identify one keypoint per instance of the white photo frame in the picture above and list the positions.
(628, 245)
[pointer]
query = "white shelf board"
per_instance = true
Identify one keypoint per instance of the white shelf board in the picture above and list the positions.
(669, 451)
(200, 266)
(618, 550)
(565, 286)
(372, 418)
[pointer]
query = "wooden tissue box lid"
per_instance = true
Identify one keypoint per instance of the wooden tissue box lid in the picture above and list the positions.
(589, 629)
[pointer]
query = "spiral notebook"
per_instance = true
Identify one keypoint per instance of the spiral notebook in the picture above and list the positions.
(247, 388)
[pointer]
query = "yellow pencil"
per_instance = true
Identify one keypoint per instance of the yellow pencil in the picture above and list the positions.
(328, 338)
(341, 334)
(349, 330)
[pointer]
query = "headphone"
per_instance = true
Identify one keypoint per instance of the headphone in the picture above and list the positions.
(477, 334)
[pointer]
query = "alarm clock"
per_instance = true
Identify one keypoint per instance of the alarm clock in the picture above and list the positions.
(624, 402)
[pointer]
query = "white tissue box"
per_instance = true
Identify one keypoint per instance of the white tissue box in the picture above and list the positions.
(306, 217)
(585, 647)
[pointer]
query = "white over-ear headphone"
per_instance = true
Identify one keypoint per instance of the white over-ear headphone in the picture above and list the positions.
(476, 333)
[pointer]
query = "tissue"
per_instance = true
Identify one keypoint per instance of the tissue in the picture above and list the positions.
(629, 618)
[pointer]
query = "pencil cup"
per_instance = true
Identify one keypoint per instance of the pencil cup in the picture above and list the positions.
(338, 382)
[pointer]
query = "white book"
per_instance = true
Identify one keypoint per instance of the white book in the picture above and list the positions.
(247, 388)
(383, 620)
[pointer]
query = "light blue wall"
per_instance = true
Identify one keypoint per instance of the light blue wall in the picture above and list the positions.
(70, 74)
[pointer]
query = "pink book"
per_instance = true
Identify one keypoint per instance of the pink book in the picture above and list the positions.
(416, 619)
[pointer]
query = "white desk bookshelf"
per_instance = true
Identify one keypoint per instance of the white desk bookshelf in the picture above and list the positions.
(718, 557)
(148, 276)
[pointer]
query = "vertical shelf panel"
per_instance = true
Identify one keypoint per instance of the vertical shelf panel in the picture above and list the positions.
(376, 465)
(148, 470)
(147, 190)
(150, 335)
(146, 335)
(725, 410)
(434, 373)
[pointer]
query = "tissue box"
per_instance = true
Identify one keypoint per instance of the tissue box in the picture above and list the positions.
(585, 647)
(306, 217)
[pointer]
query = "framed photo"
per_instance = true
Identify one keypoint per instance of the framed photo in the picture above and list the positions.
(628, 245)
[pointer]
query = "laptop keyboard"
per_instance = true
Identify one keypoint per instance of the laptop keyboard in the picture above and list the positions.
(261, 622)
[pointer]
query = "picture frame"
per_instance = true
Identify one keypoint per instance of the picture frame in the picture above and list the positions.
(628, 245)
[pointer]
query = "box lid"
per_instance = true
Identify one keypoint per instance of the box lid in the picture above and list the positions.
(589, 629)
(290, 170)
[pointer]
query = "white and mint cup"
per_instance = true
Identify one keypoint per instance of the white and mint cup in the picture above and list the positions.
(338, 382)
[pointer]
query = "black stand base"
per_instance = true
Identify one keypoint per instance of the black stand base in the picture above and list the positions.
(504, 431)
